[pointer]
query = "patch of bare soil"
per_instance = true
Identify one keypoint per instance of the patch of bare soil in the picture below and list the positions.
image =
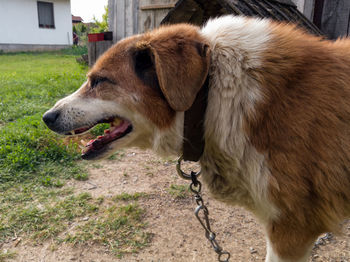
(177, 235)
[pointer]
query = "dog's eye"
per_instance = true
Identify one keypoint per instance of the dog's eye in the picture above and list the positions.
(94, 82)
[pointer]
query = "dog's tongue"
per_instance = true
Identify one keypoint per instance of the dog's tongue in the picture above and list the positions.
(110, 135)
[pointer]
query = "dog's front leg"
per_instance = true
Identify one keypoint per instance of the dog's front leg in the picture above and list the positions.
(287, 244)
(272, 256)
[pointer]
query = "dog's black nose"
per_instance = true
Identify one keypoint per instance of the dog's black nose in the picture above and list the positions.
(50, 117)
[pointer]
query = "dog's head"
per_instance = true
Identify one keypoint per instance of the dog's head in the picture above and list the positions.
(141, 86)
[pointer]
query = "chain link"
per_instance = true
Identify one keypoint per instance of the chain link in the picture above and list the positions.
(195, 187)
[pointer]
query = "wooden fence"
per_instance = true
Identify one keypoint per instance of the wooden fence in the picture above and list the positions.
(95, 49)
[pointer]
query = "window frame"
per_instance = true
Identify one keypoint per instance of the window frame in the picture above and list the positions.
(53, 26)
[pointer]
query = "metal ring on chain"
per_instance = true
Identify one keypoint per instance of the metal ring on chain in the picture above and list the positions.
(222, 256)
(181, 173)
(193, 188)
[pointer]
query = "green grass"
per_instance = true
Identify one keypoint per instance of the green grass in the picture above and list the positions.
(117, 156)
(46, 214)
(75, 50)
(179, 191)
(45, 219)
(127, 197)
(5, 255)
(120, 228)
(29, 85)
(35, 163)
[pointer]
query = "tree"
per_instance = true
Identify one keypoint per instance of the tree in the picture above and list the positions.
(101, 26)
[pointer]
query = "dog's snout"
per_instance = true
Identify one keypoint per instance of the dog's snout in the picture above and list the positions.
(50, 117)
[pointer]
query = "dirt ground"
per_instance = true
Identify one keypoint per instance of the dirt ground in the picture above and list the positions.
(177, 235)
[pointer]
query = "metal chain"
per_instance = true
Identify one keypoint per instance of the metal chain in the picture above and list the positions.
(196, 187)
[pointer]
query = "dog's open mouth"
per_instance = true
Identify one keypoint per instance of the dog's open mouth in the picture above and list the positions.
(118, 128)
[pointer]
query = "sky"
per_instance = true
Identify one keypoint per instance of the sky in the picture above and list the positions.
(87, 9)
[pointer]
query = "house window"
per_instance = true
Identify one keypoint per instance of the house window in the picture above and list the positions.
(45, 14)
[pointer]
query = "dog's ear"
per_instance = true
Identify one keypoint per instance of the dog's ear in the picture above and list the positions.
(181, 68)
(145, 67)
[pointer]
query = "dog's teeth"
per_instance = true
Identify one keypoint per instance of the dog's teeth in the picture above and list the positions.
(90, 142)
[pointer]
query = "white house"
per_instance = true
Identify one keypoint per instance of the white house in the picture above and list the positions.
(28, 25)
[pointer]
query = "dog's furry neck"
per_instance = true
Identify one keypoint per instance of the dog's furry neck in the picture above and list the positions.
(233, 94)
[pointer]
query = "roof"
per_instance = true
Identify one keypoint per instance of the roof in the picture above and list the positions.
(199, 11)
(286, 2)
(77, 18)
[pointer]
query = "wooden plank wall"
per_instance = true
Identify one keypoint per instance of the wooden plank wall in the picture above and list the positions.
(123, 17)
(129, 17)
(309, 9)
(152, 12)
(300, 4)
(334, 21)
(336, 18)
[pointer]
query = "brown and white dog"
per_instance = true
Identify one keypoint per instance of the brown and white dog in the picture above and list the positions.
(277, 125)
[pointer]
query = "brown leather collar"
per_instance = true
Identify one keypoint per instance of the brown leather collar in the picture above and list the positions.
(193, 145)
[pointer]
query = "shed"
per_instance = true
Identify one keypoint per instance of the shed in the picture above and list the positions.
(199, 11)
(128, 17)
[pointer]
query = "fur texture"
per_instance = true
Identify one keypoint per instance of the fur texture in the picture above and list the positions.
(276, 128)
